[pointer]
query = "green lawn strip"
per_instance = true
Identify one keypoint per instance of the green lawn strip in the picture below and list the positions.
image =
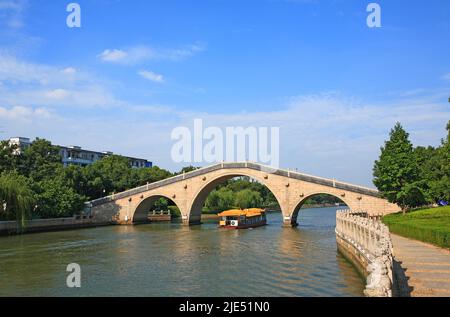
(427, 225)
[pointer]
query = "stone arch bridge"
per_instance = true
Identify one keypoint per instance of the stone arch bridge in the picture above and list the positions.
(189, 191)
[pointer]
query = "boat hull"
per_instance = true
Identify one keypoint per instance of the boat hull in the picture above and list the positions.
(253, 225)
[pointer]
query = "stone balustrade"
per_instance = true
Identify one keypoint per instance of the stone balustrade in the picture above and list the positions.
(367, 243)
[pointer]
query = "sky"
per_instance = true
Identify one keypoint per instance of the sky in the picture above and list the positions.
(137, 69)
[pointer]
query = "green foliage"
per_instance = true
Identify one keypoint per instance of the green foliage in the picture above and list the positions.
(153, 174)
(59, 191)
(428, 225)
(8, 161)
(161, 204)
(174, 211)
(187, 169)
(56, 199)
(413, 177)
(440, 185)
(248, 198)
(396, 173)
(16, 198)
(320, 199)
(108, 175)
(220, 200)
(39, 160)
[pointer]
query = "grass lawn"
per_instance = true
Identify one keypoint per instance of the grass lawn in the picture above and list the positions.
(427, 225)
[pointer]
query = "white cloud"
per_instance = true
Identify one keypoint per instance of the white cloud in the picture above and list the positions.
(18, 71)
(114, 55)
(13, 5)
(69, 71)
(31, 84)
(446, 76)
(151, 76)
(23, 113)
(141, 54)
(11, 13)
(57, 94)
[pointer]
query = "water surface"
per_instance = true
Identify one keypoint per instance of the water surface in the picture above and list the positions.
(173, 260)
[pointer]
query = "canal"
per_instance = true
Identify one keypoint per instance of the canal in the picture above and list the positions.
(173, 260)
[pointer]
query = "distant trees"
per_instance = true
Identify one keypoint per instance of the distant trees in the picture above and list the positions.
(220, 199)
(34, 182)
(248, 198)
(240, 193)
(412, 177)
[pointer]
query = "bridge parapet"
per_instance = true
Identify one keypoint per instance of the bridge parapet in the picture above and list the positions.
(367, 243)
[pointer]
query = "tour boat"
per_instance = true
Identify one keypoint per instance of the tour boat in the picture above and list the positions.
(242, 219)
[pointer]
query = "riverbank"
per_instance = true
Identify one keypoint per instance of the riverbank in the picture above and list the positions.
(428, 225)
(45, 225)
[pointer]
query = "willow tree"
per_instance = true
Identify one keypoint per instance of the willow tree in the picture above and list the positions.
(16, 198)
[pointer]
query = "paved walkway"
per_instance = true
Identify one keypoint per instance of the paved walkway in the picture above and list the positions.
(426, 267)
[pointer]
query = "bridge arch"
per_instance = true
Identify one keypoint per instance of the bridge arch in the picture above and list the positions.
(200, 196)
(303, 199)
(140, 212)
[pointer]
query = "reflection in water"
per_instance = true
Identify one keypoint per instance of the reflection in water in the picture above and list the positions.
(173, 260)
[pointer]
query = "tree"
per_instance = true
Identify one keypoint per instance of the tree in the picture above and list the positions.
(39, 160)
(248, 198)
(55, 199)
(16, 198)
(428, 162)
(149, 175)
(8, 157)
(188, 169)
(440, 186)
(396, 173)
(220, 200)
(108, 175)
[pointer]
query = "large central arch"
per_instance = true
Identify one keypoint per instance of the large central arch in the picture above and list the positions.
(303, 199)
(195, 209)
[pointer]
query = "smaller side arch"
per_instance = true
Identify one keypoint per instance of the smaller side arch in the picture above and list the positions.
(140, 213)
(301, 202)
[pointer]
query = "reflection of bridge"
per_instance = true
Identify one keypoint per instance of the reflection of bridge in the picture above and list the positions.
(189, 191)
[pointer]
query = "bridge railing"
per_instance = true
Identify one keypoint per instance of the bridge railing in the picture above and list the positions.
(239, 165)
(372, 240)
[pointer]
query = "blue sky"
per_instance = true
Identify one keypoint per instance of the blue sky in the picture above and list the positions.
(137, 69)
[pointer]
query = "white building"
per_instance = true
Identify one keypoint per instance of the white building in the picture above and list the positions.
(75, 155)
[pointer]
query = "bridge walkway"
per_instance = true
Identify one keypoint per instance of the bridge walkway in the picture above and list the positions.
(426, 267)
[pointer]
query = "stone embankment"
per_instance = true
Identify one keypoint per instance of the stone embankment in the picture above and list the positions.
(43, 225)
(366, 242)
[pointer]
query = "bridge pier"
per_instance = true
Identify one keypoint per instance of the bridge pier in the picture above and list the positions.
(289, 222)
(191, 221)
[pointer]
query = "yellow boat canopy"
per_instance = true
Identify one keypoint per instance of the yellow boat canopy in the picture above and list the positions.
(252, 212)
